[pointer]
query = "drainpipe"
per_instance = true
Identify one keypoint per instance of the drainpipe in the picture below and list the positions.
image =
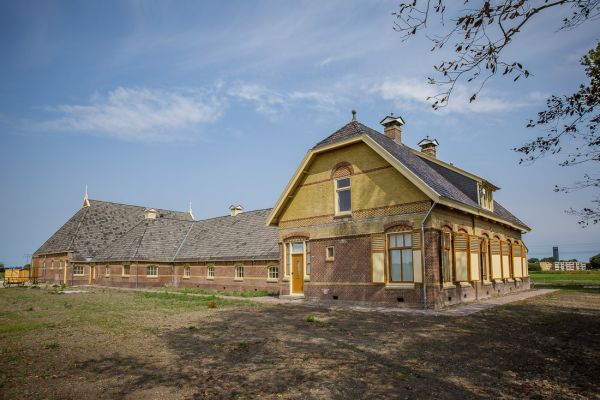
(423, 255)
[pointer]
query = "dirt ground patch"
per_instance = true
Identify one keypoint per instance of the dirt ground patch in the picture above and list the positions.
(113, 344)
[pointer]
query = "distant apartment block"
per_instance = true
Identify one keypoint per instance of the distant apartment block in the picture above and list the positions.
(569, 266)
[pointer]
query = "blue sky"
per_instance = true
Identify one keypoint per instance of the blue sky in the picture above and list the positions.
(159, 103)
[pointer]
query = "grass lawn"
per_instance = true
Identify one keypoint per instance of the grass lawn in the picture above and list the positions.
(566, 278)
(108, 344)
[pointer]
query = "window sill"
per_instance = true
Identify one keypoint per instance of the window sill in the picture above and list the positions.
(238, 279)
(498, 281)
(185, 277)
(448, 286)
(329, 259)
(518, 279)
(152, 276)
(210, 278)
(400, 286)
(486, 283)
(124, 276)
(464, 284)
(347, 215)
(307, 279)
(285, 279)
(78, 274)
(272, 280)
(510, 280)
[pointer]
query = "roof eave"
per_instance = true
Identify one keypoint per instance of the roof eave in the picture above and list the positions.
(482, 213)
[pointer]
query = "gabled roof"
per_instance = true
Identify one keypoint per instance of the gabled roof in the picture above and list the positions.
(93, 227)
(443, 185)
(242, 237)
(117, 232)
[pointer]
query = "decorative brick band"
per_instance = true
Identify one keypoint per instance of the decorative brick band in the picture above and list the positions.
(398, 209)
(296, 235)
(398, 224)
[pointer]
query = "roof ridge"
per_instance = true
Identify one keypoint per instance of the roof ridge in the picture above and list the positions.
(135, 205)
(87, 209)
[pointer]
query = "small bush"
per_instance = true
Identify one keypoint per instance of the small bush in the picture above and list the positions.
(310, 318)
(534, 267)
(211, 304)
(51, 345)
(30, 309)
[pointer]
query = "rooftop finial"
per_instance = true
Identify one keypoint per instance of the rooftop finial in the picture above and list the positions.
(353, 115)
(190, 210)
(86, 199)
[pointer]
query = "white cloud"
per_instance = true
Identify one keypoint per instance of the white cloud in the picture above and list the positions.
(413, 94)
(138, 114)
(268, 101)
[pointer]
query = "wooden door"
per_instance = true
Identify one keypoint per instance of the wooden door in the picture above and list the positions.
(297, 273)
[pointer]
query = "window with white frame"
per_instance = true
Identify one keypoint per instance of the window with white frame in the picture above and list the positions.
(329, 253)
(78, 270)
(239, 272)
(273, 272)
(400, 257)
(107, 270)
(44, 266)
(210, 272)
(186, 271)
(152, 270)
(126, 270)
(343, 196)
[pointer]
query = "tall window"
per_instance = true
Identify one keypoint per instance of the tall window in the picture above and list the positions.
(447, 275)
(461, 263)
(44, 266)
(485, 261)
(78, 270)
(273, 272)
(239, 272)
(400, 257)
(343, 196)
(186, 271)
(210, 272)
(126, 270)
(308, 258)
(152, 270)
(107, 270)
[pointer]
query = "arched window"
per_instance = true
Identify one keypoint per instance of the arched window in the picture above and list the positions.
(341, 175)
(187, 271)
(485, 258)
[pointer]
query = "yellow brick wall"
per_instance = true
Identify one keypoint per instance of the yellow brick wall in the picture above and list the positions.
(374, 184)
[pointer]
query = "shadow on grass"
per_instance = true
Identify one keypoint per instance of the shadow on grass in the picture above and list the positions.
(522, 351)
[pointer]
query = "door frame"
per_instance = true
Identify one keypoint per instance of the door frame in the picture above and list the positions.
(290, 256)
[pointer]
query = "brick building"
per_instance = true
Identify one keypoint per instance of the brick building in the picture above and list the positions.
(364, 218)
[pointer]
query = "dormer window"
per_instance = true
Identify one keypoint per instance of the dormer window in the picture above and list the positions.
(343, 196)
(485, 197)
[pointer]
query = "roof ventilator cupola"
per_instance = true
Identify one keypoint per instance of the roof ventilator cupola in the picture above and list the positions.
(235, 210)
(392, 127)
(429, 147)
(150, 213)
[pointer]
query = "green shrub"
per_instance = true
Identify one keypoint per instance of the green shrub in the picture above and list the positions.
(534, 267)
(310, 318)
